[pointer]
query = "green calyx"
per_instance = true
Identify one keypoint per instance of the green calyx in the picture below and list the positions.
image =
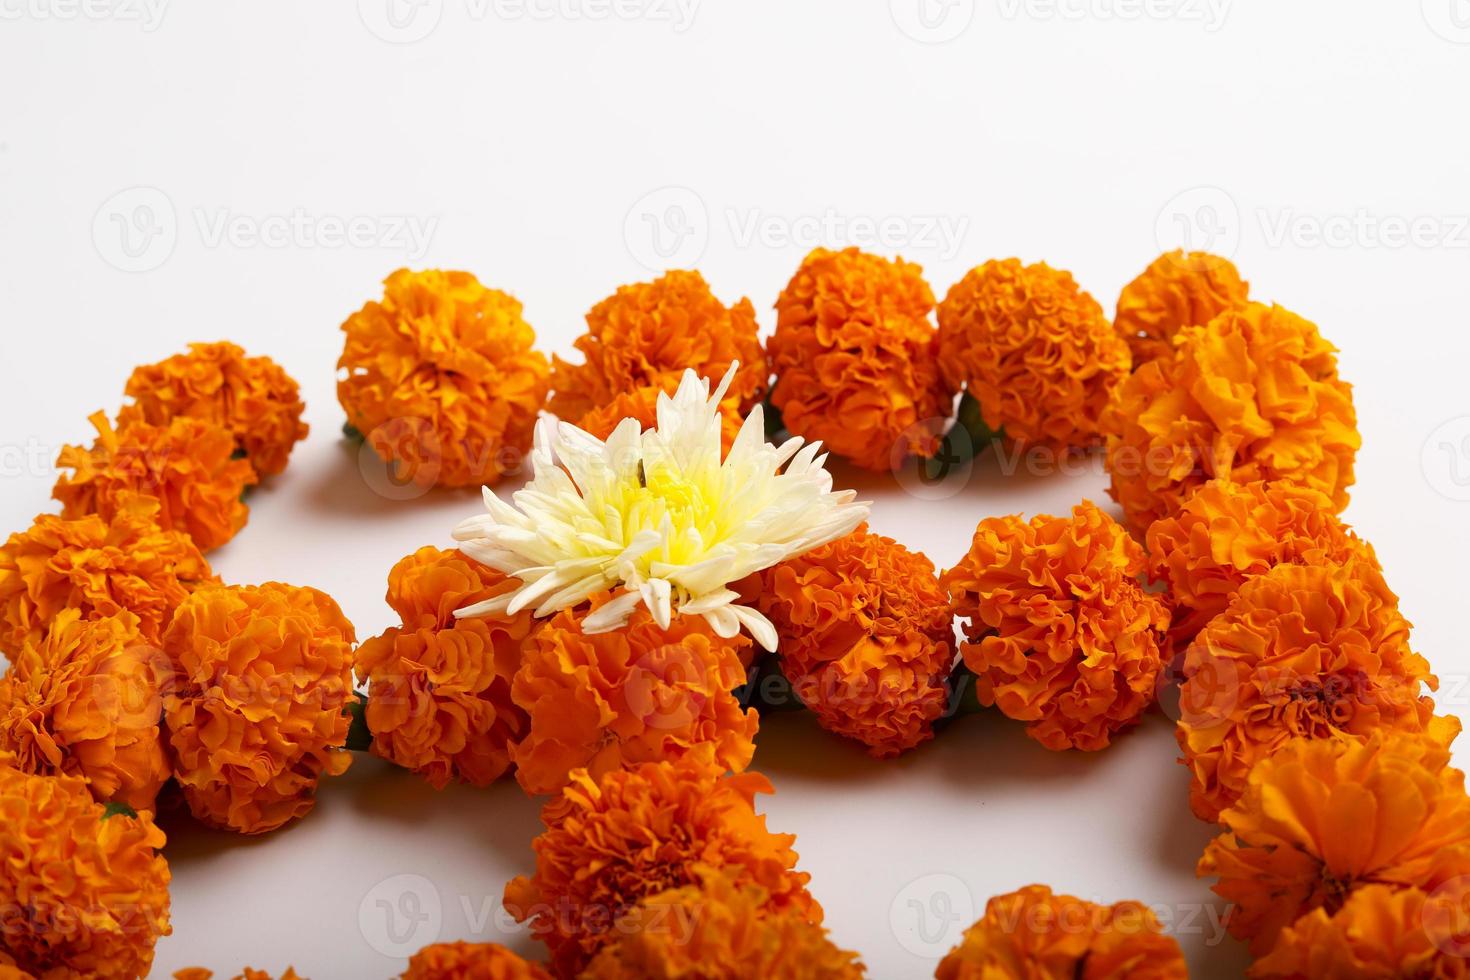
(359, 737)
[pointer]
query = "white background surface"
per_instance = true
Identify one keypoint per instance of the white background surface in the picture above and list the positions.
(1079, 133)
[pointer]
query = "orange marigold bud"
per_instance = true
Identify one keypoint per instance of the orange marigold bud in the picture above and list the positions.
(642, 831)
(1252, 395)
(608, 701)
(83, 888)
(259, 714)
(441, 379)
(86, 701)
(1316, 651)
(647, 334)
(1035, 933)
(1179, 289)
(1380, 931)
(98, 567)
(719, 929)
(251, 396)
(439, 688)
(1226, 533)
(855, 358)
(865, 638)
(471, 961)
(642, 404)
(1061, 634)
(188, 465)
(1034, 350)
(1321, 818)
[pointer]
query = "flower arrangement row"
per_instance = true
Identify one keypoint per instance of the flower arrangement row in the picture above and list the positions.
(594, 636)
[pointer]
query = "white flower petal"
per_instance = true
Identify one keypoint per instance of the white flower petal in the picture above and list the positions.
(724, 622)
(658, 597)
(612, 614)
(660, 513)
(759, 627)
(493, 607)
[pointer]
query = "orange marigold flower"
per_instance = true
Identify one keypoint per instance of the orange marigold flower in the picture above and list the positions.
(642, 404)
(98, 567)
(441, 379)
(1034, 933)
(471, 961)
(1061, 634)
(865, 634)
(86, 702)
(83, 889)
(427, 587)
(647, 334)
(1034, 350)
(1252, 395)
(1380, 931)
(259, 713)
(720, 929)
(855, 358)
(1316, 651)
(1323, 817)
(188, 465)
(607, 701)
(1226, 533)
(1179, 289)
(439, 698)
(642, 831)
(251, 396)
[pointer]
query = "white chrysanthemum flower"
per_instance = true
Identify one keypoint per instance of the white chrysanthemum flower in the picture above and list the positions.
(658, 515)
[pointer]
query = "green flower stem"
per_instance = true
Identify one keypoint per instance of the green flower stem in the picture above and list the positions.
(359, 738)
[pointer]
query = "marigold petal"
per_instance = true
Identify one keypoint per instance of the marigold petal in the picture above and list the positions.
(188, 465)
(1061, 634)
(1034, 350)
(102, 917)
(441, 379)
(1252, 395)
(856, 358)
(251, 396)
(643, 338)
(259, 714)
(639, 832)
